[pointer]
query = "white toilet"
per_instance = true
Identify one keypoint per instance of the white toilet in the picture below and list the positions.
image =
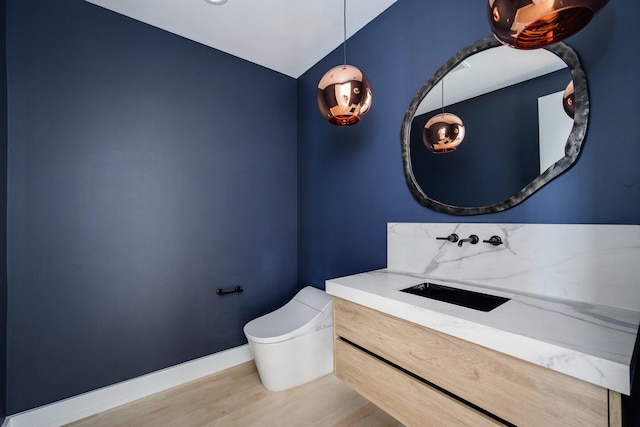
(294, 344)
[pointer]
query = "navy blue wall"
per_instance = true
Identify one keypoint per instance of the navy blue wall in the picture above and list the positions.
(143, 174)
(3, 211)
(145, 171)
(351, 181)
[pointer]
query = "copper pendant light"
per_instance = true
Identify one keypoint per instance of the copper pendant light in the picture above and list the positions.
(443, 132)
(532, 24)
(568, 100)
(344, 93)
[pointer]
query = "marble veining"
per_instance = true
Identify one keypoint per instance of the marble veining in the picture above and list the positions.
(580, 262)
(574, 302)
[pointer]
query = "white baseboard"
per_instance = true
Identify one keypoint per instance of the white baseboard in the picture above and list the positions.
(93, 402)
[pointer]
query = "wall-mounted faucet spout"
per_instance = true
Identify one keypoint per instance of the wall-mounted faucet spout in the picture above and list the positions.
(473, 239)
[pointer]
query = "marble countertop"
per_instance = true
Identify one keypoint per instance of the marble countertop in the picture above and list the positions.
(591, 342)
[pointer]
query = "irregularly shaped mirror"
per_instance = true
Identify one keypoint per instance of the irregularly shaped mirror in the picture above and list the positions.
(518, 133)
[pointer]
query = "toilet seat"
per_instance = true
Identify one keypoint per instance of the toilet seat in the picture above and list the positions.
(289, 321)
(308, 309)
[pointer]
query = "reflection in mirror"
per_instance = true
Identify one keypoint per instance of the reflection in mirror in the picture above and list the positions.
(518, 136)
(511, 101)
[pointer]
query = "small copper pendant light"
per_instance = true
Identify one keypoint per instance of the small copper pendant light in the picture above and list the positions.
(568, 100)
(532, 24)
(344, 93)
(443, 132)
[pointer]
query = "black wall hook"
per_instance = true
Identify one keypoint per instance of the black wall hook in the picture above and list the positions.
(230, 291)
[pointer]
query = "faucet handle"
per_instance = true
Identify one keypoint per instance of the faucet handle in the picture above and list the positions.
(494, 240)
(453, 237)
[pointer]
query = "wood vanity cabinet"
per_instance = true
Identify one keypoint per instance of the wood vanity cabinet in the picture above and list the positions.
(423, 377)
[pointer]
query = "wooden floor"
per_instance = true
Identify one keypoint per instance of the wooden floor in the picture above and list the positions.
(235, 397)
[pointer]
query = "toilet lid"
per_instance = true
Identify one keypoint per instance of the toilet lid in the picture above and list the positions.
(314, 298)
(289, 321)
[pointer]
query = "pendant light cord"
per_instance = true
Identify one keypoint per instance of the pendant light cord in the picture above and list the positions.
(344, 21)
(442, 94)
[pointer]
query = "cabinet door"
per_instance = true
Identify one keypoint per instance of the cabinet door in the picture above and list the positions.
(411, 402)
(514, 390)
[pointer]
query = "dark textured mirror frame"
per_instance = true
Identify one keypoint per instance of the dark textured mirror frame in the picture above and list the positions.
(572, 148)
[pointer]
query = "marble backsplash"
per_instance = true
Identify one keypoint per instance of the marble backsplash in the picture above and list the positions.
(597, 264)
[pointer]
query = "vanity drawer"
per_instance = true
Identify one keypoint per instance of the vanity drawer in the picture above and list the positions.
(517, 391)
(411, 402)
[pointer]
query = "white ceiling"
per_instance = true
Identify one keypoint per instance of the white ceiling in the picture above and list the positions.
(288, 36)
